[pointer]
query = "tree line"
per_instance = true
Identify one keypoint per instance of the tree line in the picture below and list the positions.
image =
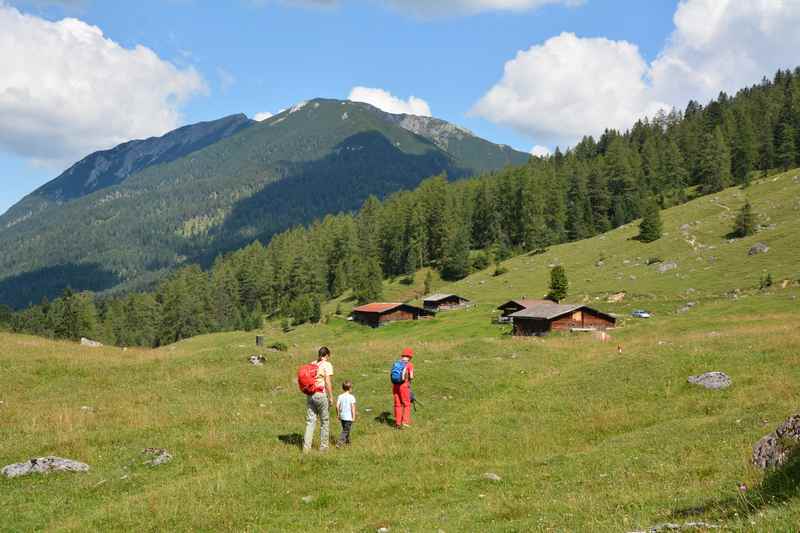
(454, 227)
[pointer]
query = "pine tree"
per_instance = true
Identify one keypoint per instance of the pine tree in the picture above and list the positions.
(559, 285)
(675, 176)
(715, 163)
(785, 151)
(745, 223)
(743, 152)
(650, 226)
(456, 262)
(370, 282)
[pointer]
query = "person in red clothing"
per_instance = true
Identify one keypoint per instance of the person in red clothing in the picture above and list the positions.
(402, 392)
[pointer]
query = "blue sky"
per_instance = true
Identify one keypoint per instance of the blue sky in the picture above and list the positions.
(583, 66)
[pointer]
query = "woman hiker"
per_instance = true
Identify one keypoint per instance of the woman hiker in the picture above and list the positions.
(319, 403)
(402, 375)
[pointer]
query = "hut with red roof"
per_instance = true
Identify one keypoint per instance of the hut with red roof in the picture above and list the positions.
(381, 313)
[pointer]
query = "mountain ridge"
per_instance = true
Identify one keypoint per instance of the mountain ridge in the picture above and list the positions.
(319, 157)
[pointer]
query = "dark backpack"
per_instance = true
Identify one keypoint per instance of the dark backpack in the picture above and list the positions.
(307, 378)
(396, 374)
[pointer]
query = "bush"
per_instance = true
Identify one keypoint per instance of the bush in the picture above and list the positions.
(481, 261)
(408, 280)
(280, 346)
(499, 270)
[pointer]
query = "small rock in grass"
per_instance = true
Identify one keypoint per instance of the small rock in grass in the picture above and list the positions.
(308, 499)
(666, 267)
(758, 248)
(160, 456)
(257, 360)
(383, 530)
(491, 476)
(711, 380)
(90, 343)
(44, 465)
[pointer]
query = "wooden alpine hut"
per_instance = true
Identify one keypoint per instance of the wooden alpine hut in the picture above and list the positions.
(378, 314)
(512, 306)
(444, 302)
(543, 318)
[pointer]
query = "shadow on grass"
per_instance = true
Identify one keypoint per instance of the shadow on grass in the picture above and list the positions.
(778, 486)
(385, 418)
(292, 439)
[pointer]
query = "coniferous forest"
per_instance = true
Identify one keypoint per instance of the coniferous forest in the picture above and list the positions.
(597, 185)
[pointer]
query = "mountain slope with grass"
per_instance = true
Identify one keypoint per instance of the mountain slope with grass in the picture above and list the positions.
(128, 217)
(582, 436)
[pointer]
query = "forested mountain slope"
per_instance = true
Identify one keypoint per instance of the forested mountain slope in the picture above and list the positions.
(106, 168)
(147, 212)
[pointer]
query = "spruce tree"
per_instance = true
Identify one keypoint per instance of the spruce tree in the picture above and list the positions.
(559, 285)
(456, 262)
(785, 151)
(650, 227)
(743, 151)
(745, 223)
(715, 163)
(370, 282)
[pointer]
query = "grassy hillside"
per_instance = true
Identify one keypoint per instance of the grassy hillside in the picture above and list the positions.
(583, 437)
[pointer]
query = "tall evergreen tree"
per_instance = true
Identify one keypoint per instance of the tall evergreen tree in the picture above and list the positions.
(650, 227)
(745, 222)
(715, 164)
(744, 151)
(559, 285)
(456, 263)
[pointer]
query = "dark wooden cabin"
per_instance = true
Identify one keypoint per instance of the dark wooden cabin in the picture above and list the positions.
(512, 306)
(377, 314)
(543, 318)
(444, 302)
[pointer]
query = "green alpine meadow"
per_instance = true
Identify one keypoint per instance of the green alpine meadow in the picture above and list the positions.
(400, 266)
(582, 435)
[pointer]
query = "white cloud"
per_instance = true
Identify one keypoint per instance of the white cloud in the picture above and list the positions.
(569, 86)
(471, 7)
(264, 115)
(725, 45)
(388, 102)
(540, 151)
(66, 89)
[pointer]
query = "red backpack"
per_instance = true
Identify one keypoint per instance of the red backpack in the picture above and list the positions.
(307, 379)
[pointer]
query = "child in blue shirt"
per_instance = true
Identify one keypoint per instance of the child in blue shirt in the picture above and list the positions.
(346, 407)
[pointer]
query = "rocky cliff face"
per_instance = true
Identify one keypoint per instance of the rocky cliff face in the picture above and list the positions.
(111, 167)
(438, 131)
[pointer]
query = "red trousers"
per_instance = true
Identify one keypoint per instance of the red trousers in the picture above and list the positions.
(402, 403)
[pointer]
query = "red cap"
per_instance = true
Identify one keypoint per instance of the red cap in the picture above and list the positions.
(408, 352)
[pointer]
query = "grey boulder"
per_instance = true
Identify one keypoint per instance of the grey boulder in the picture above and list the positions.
(773, 450)
(44, 465)
(711, 380)
(758, 248)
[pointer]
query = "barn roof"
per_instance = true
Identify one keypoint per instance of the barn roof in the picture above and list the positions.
(549, 311)
(378, 307)
(527, 302)
(441, 296)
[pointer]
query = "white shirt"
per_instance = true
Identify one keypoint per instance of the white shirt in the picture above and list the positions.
(345, 403)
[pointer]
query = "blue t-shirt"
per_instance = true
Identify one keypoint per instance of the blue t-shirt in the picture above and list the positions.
(345, 403)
